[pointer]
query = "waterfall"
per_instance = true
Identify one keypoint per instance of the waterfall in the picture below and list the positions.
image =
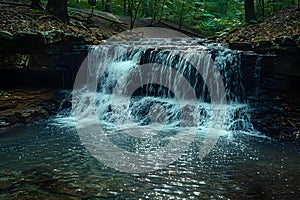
(139, 105)
(115, 68)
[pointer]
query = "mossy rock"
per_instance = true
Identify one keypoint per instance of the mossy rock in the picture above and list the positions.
(53, 36)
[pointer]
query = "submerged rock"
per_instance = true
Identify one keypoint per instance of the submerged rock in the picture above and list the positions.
(33, 115)
(27, 106)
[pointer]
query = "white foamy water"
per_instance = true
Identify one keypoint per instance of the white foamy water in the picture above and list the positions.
(115, 95)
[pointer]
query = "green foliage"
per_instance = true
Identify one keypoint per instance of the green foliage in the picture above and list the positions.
(79, 4)
(37, 11)
(207, 16)
(271, 6)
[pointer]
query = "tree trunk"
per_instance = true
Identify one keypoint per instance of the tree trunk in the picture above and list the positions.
(108, 6)
(181, 15)
(59, 8)
(161, 10)
(145, 9)
(249, 10)
(102, 4)
(154, 10)
(133, 8)
(124, 7)
(262, 7)
(36, 4)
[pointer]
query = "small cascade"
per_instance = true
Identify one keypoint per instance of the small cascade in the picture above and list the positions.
(257, 74)
(146, 83)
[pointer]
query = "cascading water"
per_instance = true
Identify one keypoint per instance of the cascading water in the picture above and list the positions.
(150, 114)
(109, 65)
(150, 95)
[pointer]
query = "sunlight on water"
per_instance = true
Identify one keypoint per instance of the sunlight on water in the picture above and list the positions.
(124, 109)
(146, 109)
(50, 159)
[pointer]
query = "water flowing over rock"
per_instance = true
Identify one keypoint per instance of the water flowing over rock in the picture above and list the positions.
(114, 75)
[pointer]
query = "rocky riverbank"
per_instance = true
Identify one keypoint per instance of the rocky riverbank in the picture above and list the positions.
(38, 50)
(21, 22)
(22, 106)
(277, 115)
(269, 35)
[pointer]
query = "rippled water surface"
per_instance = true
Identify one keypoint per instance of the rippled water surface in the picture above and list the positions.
(48, 161)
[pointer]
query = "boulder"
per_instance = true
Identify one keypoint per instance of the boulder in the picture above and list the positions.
(285, 41)
(265, 43)
(30, 40)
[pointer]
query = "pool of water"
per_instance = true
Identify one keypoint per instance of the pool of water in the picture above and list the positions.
(52, 159)
(47, 160)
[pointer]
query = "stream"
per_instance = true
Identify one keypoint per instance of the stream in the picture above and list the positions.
(105, 146)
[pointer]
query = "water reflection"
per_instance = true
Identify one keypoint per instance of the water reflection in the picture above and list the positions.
(48, 161)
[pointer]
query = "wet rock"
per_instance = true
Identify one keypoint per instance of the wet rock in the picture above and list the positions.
(297, 39)
(286, 41)
(13, 117)
(5, 35)
(46, 181)
(65, 104)
(28, 115)
(29, 39)
(265, 43)
(262, 42)
(78, 39)
(245, 46)
(27, 36)
(3, 123)
(50, 106)
(52, 36)
(19, 107)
